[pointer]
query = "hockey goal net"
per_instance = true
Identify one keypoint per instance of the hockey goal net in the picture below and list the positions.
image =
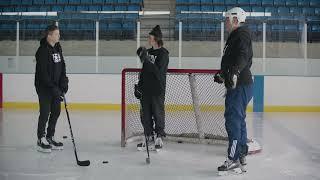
(194, 107)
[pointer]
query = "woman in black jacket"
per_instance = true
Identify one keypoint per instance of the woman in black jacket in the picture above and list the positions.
(152, 85)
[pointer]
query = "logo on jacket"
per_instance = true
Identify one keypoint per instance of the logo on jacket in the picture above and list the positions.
(153, 58)
(56, 57)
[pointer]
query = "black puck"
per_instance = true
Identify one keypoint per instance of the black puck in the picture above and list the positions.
(105, 162)
(179, 141)
(65, 137)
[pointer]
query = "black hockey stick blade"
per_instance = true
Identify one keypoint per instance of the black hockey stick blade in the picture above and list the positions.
(83, 163)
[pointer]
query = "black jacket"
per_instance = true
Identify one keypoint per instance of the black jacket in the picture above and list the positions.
(50, 69)
(152, 80)
(238, 55)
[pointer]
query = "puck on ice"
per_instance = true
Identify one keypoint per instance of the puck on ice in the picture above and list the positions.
(65, 137)
(104, 162)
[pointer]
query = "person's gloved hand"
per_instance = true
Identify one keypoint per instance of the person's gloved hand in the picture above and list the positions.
(64, 85)
(137, 91)
(231, 78)
(58, 94)
(218, 78)
(142, 53)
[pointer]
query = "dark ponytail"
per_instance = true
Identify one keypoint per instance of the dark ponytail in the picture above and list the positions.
(159, 41)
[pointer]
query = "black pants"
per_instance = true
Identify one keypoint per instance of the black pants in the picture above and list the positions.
(152, 114)
(49, 110)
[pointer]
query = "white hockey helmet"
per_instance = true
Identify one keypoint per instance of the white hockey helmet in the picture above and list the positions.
(237, 12)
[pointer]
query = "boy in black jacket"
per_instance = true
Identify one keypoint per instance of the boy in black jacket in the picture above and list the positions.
(152, 86)
(51, 83)
(236, 75)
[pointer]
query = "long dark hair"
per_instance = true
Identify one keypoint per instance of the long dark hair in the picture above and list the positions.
(159, 41)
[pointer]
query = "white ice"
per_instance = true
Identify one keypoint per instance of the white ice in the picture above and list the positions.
(290, 141)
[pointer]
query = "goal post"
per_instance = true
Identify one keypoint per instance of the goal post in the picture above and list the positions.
(194, 107)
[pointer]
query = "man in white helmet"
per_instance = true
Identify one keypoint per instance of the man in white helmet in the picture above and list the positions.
(236, 75)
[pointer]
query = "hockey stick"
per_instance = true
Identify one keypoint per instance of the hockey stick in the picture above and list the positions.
(145, 137)
(148, 158)
(80, 163)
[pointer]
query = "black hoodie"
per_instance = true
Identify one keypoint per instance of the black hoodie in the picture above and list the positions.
(50, 69)
(238, 54)
(153, 75)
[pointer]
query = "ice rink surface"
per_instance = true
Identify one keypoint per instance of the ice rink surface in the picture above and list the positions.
(290, 142)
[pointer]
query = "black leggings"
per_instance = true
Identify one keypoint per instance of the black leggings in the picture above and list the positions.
(49, 110)
(152, 112)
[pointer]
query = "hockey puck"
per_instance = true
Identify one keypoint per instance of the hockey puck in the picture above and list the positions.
(179, 142)
(105, 162)
(65, 137)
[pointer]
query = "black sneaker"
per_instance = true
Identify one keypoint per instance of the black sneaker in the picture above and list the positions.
(230, 166)
(55, 145)
(43, 145)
